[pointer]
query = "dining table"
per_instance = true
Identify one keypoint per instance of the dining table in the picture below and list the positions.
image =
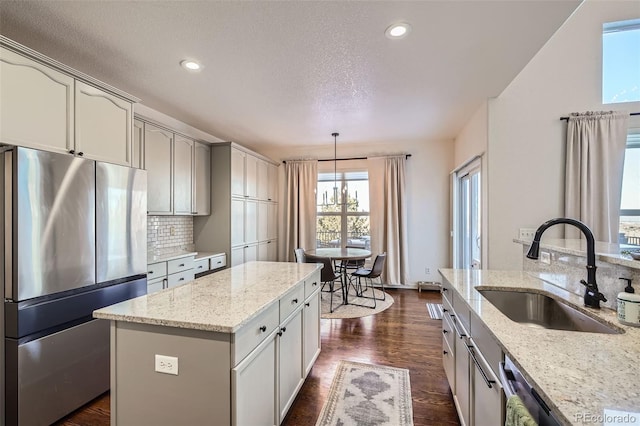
(341, 254)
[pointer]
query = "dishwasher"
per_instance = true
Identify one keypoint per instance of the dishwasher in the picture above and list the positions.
(514, 383)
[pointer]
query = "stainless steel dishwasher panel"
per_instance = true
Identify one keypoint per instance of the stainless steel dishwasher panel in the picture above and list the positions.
(52, 209)
(56, 374)
(121, 221)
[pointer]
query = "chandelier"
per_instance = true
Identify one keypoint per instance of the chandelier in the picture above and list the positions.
(340, 194)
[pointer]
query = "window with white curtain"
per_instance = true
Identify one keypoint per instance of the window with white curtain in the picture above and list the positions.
(343, 209)
(630, 201)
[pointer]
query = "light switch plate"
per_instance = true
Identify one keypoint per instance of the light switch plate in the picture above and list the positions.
(167, 364)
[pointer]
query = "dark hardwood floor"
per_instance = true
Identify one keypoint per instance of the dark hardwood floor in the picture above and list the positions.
(402, 336)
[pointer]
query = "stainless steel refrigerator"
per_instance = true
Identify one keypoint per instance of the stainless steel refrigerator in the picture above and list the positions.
(74, 241)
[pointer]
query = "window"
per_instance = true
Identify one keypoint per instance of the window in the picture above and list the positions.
(621, 62)
(340, 221)
(630, 202)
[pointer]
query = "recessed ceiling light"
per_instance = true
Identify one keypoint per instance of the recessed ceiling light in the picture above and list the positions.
(190, 65)
(399, 30)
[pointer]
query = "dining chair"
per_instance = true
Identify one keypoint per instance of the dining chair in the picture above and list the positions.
(369, 274)
(299, 255)
(328, 277)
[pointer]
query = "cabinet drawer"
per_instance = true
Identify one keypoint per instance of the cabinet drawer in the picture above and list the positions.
(156, 270)
(290, 301)
(448, 332)
(181, 264)
(311, 284)
(218, 262)
(486, 343)
(447, 292)
(449, 362)
(180, 278)
(201, 265)
(447, 309)
(253, 333)
(155, 285)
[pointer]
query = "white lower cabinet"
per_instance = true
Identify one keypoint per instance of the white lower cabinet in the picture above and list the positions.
(290, 374)
(171, 273)
(251, 381)
(470, 357)
(311, 327)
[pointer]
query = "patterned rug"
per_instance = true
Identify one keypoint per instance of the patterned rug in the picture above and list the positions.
(435, 310)
(352, 310)
(368, 395)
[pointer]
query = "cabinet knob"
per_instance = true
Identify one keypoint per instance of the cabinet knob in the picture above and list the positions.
(294, 301)
(181, 279)
(445, 331)
(445, 289)
(306, 304)
(315, 283)
(71, 151)
(263, 328)
(150, 272)
(445, 352)
(81, 153)
(181, 265)
(445, 310)
(283, 329)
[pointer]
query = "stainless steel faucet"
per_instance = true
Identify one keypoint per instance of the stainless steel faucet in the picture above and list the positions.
(592, 296)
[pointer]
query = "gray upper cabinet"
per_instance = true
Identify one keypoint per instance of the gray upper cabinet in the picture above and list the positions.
(183, 175)
(157, 159)
(137, 154)
(48, 106)
(202, 180)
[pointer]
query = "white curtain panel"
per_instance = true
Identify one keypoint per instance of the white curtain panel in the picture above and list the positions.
(388, 215)
(301, 179)
(596, 143)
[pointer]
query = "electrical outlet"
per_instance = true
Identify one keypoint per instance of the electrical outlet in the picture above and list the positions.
(427, 271)
(545, 257)
(172, 230)
(167, 364)
(526, 233)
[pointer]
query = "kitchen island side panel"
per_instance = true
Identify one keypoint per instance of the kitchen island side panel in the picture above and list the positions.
(197, 394)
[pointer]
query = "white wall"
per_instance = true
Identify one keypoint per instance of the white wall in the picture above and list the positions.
(473, 138)
(427, 192)
(526, 137)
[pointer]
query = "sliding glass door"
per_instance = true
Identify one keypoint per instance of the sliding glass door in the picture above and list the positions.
(467, 217)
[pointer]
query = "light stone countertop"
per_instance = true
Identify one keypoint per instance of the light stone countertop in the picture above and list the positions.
(221, 302)
(605, 252)
(576, 373)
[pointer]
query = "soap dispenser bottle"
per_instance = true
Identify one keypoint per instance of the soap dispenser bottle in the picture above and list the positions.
(629, 305)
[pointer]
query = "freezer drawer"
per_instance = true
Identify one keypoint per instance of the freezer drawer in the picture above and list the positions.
(56, 374)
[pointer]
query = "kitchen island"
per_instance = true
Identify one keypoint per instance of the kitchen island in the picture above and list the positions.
(583, 377)
(228, 348)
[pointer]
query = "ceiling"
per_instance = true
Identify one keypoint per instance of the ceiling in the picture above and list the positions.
(285, 73)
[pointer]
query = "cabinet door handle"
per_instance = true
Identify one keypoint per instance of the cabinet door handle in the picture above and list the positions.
(165, 283)
(458, 332)
(479, 367)
(181, 279)
(263, 328)
(150, 272)
(181, 265)
(445, 310)
(444, 289)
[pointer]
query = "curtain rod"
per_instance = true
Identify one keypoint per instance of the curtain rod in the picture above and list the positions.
(406, 156)
(567, 118)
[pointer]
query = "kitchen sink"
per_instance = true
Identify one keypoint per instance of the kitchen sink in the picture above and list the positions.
(540, 310)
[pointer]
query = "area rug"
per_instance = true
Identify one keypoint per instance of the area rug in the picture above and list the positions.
(435, 310)
(351, 310)
(368, 395)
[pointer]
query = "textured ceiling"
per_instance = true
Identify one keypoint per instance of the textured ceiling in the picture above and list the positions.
(291, 72)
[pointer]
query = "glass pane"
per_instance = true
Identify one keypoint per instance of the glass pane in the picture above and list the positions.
(328, 231)
(358, 232)
(621, 62)
(357, 195)
(630, 225)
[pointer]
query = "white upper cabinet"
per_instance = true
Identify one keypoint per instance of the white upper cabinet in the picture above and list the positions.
(46, 106)
(103, 125)
(157, 159)
(272, 187)
(237, 172)
(36, 104)
(251, 176)
(137, 152)
(263, 180)
(202, 180)
(183, 175)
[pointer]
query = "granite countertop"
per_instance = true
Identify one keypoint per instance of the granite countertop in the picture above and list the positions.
(576, 373)
(606, 252)
(221, 302)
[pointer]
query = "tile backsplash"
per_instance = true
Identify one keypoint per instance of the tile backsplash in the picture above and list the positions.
(169, 231)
